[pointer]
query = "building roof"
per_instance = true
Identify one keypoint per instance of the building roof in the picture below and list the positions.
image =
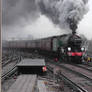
(32, 62)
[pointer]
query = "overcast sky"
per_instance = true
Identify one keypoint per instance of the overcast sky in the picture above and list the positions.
(85, 26)
(22, 19)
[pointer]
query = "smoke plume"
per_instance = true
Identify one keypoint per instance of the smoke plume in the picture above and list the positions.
(18, 11)
(65, 13)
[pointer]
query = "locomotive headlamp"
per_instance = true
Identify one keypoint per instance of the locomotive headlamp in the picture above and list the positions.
(82, 48)
(69, 48)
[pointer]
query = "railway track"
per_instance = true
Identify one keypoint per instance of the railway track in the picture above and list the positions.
(89, 64)
(73, 85)
(78, 82)
(4, 58)
(8, 57)
(78, 86)
(9, 61)
(10, 68)
(85, 66)
(9, 73)
(80, 71)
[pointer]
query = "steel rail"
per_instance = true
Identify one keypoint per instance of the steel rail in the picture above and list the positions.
(70, 82)
(80, 74)
(8, 61)
(9, 73)
(85, 76)
(83, 67)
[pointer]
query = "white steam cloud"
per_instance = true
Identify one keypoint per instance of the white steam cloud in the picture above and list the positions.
(59, 11)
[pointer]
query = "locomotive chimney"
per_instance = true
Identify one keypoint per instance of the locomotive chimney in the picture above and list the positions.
(72, 25)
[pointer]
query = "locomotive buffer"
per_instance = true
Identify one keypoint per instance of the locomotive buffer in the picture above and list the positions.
(32, 66)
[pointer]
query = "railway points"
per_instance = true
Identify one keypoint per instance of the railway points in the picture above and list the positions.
(53, 86)
(77, 81)
(87, 74)
(9, 73)
(9, 68)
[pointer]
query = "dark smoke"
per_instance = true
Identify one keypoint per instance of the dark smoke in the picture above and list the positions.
(65, 13)
(18, 11)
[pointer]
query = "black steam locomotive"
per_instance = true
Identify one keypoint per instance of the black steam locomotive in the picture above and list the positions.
(66, 47)
(71, 48)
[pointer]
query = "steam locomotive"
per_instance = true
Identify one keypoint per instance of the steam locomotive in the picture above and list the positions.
(67, 47)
